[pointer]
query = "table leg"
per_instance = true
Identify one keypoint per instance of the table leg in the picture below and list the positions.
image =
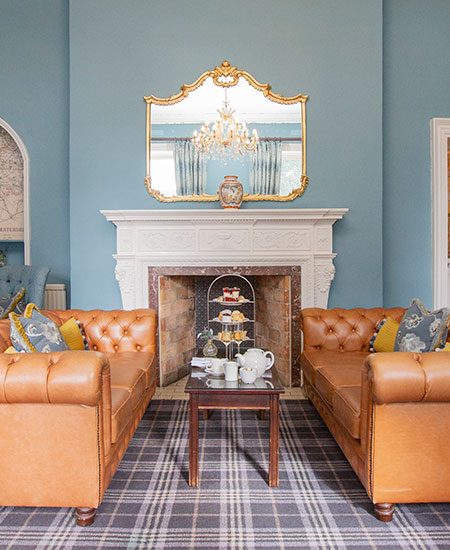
(206, 414)
(262, 414)
(193, 440)
(274, 439)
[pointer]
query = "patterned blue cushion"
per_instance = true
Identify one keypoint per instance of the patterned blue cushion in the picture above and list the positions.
(35, 332)
(422, 330)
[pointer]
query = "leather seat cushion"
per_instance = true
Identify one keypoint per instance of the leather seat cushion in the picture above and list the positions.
(312, 361)
(130, 378)
(347, 408)
(130, 360)
(122, 411)
(332, 377)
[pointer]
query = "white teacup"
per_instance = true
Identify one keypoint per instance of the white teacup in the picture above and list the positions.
(248, 374)
(231, 371)
(217, 366)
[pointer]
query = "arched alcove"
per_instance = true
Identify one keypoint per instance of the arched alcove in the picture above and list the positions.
(14, 190)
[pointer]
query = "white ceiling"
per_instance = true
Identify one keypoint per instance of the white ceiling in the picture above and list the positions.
(202, 104)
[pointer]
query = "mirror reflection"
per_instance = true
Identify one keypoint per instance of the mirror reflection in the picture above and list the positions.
(226, 127)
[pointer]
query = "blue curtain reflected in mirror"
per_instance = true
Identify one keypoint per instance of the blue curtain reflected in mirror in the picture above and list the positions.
(265, 170)
(190, 169)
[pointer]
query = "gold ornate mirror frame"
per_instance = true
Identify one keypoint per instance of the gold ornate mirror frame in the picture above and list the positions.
(225, 76)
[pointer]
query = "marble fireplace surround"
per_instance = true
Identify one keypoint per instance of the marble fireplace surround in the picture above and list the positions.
(216, 238)
(161, 243)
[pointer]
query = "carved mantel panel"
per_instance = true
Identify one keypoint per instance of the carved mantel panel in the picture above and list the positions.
(288, 237)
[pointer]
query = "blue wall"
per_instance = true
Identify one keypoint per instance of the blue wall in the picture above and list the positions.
(416, 89)
(329, 50)
(349, 56)
(34, 100)
(14, 252)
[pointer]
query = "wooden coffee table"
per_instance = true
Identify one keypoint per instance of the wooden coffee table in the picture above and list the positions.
(263, 395)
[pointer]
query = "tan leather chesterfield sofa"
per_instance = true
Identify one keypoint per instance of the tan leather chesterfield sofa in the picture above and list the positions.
(67, 418)
(389, 412)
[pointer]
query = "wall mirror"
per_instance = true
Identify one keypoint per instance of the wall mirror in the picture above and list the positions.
(225, 123)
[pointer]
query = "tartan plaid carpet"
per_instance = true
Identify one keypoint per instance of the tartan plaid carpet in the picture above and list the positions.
(319, 504)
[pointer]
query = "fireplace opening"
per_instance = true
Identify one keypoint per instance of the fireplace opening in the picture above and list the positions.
(181, 297)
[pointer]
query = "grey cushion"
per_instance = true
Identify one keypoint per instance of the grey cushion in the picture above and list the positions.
(422, 330)
(36, 333)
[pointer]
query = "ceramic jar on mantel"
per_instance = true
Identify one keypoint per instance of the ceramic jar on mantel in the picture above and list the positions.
(231, 192)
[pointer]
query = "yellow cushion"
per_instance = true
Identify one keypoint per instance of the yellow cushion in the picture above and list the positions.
(11, 349)
(445, 348)
(385, 339)
(72, 334)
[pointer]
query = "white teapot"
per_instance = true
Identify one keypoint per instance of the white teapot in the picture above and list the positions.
(257, 358)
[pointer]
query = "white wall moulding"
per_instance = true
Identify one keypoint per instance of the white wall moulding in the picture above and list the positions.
(440, 134)
(272, 237)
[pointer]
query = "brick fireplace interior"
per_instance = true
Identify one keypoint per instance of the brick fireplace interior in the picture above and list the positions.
(180, 295)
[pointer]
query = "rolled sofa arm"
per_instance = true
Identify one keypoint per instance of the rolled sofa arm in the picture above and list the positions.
(67, 378)
(409, 377)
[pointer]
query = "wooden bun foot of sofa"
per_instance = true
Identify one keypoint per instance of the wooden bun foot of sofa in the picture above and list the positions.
(85, 516)
(384, 512)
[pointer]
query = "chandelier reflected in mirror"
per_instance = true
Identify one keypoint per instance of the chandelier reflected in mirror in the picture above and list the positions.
(226, 137)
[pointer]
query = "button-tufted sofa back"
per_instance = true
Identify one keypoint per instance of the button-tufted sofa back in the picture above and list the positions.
(343, 329)
(106, 331)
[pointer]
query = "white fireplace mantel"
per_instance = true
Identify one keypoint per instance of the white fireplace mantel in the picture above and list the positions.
(249, 237)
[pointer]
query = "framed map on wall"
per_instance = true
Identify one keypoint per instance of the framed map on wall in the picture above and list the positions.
(11, 189)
